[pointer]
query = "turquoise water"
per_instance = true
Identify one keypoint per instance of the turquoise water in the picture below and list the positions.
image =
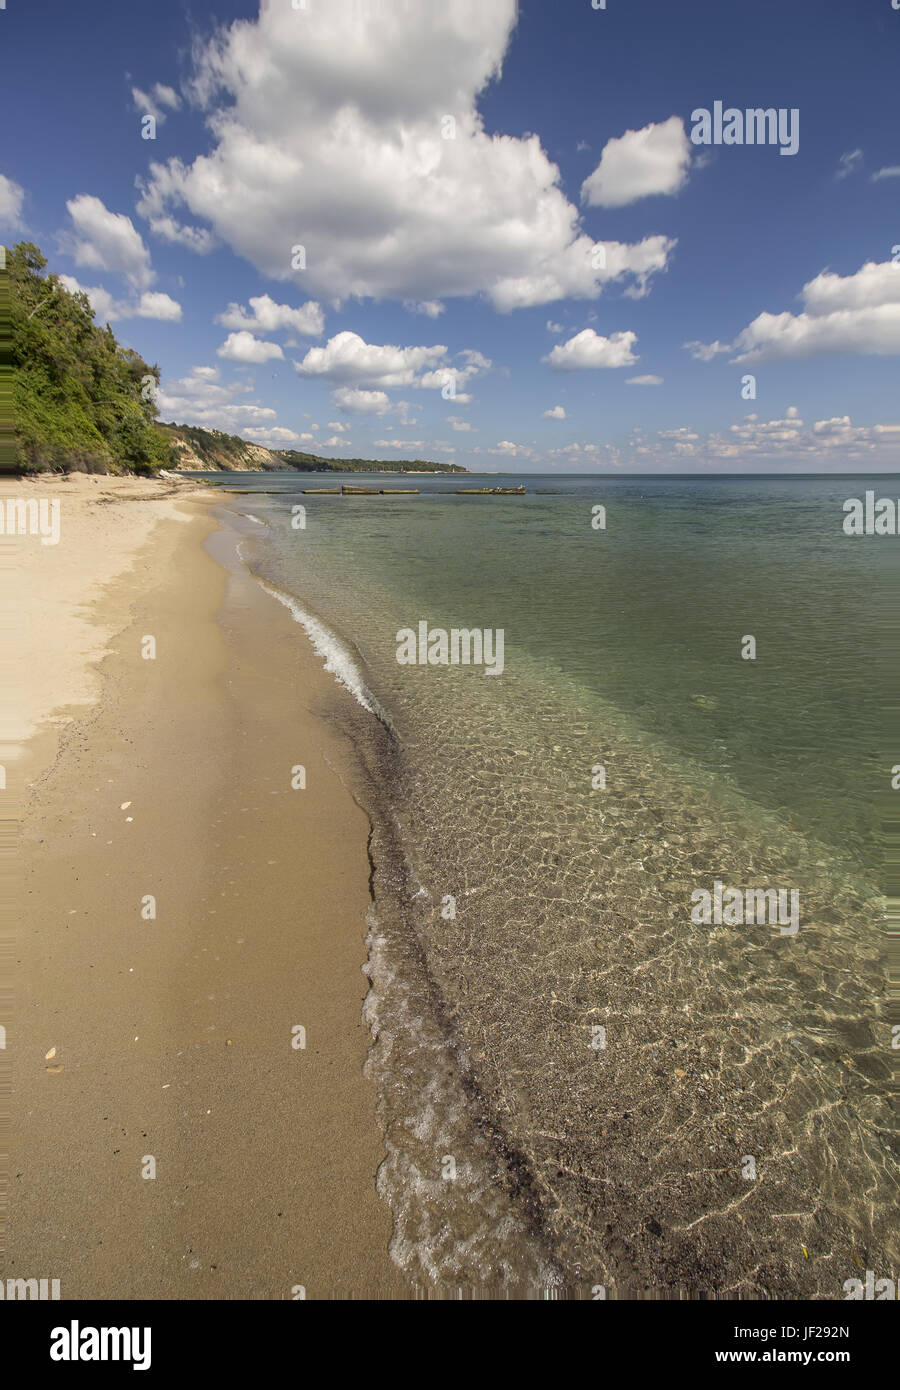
(625, 1164)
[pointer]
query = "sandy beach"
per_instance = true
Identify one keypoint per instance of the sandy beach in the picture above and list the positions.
(190, 919)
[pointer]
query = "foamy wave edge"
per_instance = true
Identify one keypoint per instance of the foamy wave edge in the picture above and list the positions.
(338, 660)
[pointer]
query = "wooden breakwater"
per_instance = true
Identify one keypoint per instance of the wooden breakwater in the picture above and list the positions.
(491, 491)
(349, 491)
(345, 491)
(375, 491)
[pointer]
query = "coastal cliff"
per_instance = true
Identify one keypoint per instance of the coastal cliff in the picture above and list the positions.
(201, 450)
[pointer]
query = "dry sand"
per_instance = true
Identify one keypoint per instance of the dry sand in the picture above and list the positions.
(137, 1040)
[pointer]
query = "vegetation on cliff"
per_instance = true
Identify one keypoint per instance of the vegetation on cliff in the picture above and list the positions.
(79, 399)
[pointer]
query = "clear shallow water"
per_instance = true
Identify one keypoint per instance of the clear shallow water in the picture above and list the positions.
(622, 1165)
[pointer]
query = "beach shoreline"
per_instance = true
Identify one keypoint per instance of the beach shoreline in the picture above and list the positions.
(186, 1042)
(235, 968)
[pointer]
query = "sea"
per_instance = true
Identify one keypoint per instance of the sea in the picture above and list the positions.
(594, 1080)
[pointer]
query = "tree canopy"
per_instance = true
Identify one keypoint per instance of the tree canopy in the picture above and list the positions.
(79, 399)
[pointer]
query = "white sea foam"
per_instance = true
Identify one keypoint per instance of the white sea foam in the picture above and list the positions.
(446, 1234)
(250, 517)
(338, 660)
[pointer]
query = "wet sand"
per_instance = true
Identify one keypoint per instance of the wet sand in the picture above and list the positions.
(172, 1036)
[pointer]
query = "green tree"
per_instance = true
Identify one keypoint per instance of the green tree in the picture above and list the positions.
(78, 398)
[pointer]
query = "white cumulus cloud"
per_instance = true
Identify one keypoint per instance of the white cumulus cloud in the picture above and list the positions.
(857, 314)
(276, 435)
(507, 449)
(348, 358)
(155, 305)
(268, 317)
(152, 304)
(327, 130)
(201, 398)
(705, 352)
(589, 349)
(245, 347)
(105, 240)
(12, 196)
(359, 402)
(639, 163)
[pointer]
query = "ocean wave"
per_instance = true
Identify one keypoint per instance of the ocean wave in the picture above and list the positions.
(339, 662)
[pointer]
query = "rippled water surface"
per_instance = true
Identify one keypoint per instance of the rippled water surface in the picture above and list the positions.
(734, 1134)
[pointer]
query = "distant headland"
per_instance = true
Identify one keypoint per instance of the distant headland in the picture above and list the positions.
(196, 450)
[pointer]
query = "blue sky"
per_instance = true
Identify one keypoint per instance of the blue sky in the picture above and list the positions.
(451, 296)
